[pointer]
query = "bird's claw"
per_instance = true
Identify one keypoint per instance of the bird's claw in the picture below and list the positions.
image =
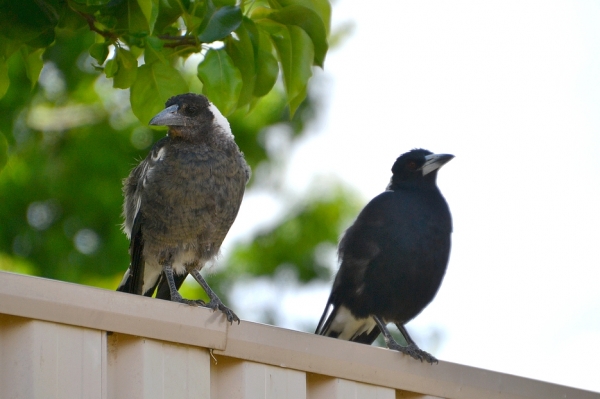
(191, 302)
(414, 352)
(215, 304)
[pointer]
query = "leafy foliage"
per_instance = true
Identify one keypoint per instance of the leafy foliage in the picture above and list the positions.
(163, 32)
(80, 79)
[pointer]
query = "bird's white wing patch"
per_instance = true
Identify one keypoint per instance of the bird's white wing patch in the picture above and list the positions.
(155, 158)
(220, 120)
(159, 155)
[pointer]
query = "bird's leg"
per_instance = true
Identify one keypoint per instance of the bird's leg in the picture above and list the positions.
(411, 349)
(214, 303)
(424, 355)
(175, 295)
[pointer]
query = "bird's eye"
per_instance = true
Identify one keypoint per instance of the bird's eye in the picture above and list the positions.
(412, 165)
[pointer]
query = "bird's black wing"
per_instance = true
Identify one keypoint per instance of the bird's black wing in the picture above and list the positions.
(135, 279)
(133, 187)
(357, 250)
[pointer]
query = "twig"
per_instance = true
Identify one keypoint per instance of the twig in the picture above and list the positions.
(92, 24)
(180, 41)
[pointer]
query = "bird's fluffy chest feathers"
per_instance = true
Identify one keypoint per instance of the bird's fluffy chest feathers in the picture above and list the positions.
(186, 192)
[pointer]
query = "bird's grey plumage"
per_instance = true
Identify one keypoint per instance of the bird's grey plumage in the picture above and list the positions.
(181, 200)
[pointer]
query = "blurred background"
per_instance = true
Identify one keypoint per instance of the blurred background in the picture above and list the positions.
(511, 88)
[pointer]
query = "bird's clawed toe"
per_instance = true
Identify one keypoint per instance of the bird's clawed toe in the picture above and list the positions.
(191, 302)
(231, 316)
(215, 304)
(414, 352)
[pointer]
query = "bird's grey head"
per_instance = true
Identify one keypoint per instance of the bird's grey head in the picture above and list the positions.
(190, 110)
(418, 165)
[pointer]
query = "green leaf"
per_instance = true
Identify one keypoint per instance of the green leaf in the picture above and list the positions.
(241, 52)
(111, 68)
(221, 3)
(310, 22)
(154, 85)
(260, 13)
(30, 22)
(220, 24)
(321, 7)
(99, 52)
(4, 80)
(267, 68)
(8, 47)
(70, 20)
(168, 12)
(150, 10)
(3, 151)
(127, 69)
(302, 56)
(296, 54)
(222, 81)
(130, 18)
(33, 64)
(153, 50)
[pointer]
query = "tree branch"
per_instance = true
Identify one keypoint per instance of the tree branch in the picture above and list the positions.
(92, 24)
(180, 41)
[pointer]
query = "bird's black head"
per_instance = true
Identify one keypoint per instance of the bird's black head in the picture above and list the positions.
(417, 166)
(188, 114)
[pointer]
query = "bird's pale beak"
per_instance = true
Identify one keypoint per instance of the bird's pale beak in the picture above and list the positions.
(434, 162)
(168, 117)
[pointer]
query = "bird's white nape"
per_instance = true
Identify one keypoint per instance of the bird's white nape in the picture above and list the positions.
(220, 120)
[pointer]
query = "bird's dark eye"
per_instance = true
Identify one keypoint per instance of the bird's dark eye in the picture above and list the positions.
(412, 165)
(188, 110)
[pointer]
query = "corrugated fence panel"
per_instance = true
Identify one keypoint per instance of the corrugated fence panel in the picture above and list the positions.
(49, 360)
(236, 379)
(321, 387)
(152, 369)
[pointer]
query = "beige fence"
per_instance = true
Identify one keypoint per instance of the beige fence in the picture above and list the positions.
(61, 340)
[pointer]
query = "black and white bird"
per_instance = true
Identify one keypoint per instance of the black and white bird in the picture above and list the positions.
(181, 201)
(393, 258)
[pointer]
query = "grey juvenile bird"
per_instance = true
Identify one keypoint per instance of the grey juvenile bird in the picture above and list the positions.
(181, 201)
(393, 258)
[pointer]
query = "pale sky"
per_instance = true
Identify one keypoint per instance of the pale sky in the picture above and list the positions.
(512, 89)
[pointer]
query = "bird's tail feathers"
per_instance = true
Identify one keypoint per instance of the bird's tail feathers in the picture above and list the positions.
(341, 323)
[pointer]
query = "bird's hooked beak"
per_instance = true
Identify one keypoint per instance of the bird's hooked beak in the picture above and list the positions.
(168, 117)
(434, 162)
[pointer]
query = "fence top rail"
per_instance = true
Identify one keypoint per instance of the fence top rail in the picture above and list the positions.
(67, 303)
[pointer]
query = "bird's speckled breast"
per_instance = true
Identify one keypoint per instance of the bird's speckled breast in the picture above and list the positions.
(189, 195)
